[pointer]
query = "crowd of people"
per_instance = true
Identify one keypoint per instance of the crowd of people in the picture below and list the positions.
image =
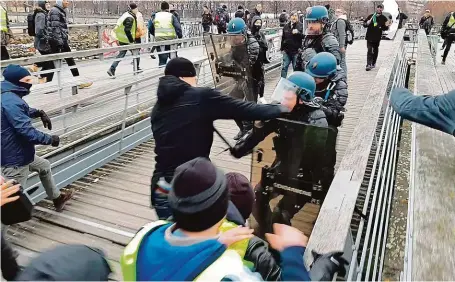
(203, 212)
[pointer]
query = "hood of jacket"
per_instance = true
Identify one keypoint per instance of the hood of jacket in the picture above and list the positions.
(41, 10)
(170, 88)
(10, 87)
(255, 19)
(159, 260)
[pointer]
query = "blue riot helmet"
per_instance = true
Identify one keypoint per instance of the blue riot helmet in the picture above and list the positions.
(323, 65)
(236, 26)
(316, 18)
(299, 86)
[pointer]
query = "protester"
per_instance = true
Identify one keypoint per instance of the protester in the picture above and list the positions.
(247, 16)
(41, 37)
(339, 27)
(19, 137)
(221, 19)
(125, 32)
(57, 29)
(257, 70)
(283, 19)
(448, 33)
(437, 112)
(401, 18)
(9, 266)
(240, 13)
(141, 30)
(375, 23)
(182, 122)
(426, 22)
(210, 248)
(173, 11)
(6, 32)
(207, 19)
(257, 11)
(291, 41)
(241, 197)
(165, 26)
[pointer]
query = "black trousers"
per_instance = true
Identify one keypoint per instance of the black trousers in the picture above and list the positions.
(448, 42)
(373, 52)
(70, 61)
(48, 65)
(5, 54)
(258, 80)
(206, 27)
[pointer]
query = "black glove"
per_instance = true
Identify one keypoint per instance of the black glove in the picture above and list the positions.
(325, 266)
(45, 119)
(55, 141)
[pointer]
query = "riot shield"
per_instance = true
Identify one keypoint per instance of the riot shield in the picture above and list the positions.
(229, 63)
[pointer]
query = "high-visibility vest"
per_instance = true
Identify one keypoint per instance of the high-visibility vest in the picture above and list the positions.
(3, 20)
(233, 256)
(163, 25)
(119, 29)
(451, 23)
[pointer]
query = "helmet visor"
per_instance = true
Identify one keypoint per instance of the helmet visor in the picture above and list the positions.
(287, 94)
(237, 39)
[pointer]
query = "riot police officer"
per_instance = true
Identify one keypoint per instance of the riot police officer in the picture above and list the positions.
(301, 170)
(318, 35)
(258, 71)
(245, 86)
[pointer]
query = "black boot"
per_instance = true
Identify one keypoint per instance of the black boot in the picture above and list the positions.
(61, 201)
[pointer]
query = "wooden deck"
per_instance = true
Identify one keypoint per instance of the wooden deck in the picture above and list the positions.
(112, 202)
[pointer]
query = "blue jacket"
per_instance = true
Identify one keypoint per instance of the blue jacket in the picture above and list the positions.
(437, 112)
(18, 136)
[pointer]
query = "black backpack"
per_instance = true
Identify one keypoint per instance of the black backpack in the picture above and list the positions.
(282, 18)
(220, 18)
(31, 24)
(349, 31)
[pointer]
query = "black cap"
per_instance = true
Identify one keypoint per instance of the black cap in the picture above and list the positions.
(180, 67)
(164, 5)
(133, 6)
(199, 197)
(380, 6)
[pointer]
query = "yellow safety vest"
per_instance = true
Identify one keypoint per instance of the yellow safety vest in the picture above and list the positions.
(163, 25)
(451, 23)
(119, 29)
(3, 20)
(233, 256)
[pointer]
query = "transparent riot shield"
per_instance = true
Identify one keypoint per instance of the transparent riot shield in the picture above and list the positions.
(229, 63)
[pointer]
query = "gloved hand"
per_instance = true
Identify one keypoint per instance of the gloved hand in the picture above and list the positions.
(55, 141)
(235, 152)
(45, 119)
(325, 266)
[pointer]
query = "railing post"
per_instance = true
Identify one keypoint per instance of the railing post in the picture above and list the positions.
(100, 29)
(125, 111)
(58, 65)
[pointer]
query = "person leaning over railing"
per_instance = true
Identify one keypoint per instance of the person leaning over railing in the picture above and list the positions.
(437, 112)
(19, 137)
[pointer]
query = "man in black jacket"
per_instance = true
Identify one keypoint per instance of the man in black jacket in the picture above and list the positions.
(240, 13)
(375, 23)
(291, 41)
(41, 37)
(256, 12)
(182, 122)
(57, 29)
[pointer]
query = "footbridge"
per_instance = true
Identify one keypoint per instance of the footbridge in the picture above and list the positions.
(107, 155)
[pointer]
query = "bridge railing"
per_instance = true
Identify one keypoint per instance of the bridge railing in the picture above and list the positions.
(364, 180)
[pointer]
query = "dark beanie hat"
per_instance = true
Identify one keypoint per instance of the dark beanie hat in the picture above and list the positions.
(180, 67)
(133, 6)
(164, 5)
(14, 73)
(199, 197)
(241, 193)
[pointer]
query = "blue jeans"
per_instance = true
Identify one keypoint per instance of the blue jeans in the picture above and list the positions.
(286, 62)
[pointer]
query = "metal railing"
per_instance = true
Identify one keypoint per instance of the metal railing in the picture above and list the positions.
(433, 41)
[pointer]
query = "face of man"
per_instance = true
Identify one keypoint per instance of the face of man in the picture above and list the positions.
(289, 99)
(237, 40)
(48, 6)
(66, 3)
(294, 18)
(319, 80)
(379, 10)
(259, 7)
(314, 28)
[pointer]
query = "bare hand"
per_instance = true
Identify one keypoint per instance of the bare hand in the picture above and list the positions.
(295, 31)
(7, 189)
(286, 236)
(368, 22)
(235, 235)
(343, 50)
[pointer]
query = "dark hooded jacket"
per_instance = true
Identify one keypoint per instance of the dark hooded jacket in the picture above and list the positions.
(290, 42)
(260, 38)
(182, 120)
(57, 27)
(253, 14)
(41, 39)
(18, 136)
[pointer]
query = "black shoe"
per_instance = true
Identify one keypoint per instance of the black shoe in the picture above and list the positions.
(61, 201)
(111, 72)
(373, 66)
(139, 70)
(368, 68)
(443, 62)
(239, 135)
(153, 57)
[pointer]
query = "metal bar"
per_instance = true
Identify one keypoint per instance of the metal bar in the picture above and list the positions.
(127, 92)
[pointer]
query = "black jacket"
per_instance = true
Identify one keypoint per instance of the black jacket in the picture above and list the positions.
(128, 25)
(253, 14)
(374, 33)
(207, 19)
(57, 28)
(182, 120)
(290, 43)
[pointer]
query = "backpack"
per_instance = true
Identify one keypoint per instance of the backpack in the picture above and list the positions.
(220, 18)
(282, 18)
(349, 31)
(31, 24)
(427, 23)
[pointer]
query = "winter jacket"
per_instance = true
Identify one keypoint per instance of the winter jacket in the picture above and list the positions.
(18, 136)
(335, 95)
(437, 112)
(253, 14)
(325, 42)
(339, 30)
(291, 43)
(41, 38)
(252, 48)
(207, 19)
(374, 33)
(446, 27)
(401, 17)
(182, 120)
(426, 22)
(176, 15)
(57, 27)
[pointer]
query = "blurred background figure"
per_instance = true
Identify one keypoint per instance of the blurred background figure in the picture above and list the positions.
(427, 22)
(207, 19)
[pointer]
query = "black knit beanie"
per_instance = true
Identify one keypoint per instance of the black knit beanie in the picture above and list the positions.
(241, 193)
(180, 67)
(199, 196)
(133, 6)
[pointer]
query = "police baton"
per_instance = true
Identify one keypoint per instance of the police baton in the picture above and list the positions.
(224, 140)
